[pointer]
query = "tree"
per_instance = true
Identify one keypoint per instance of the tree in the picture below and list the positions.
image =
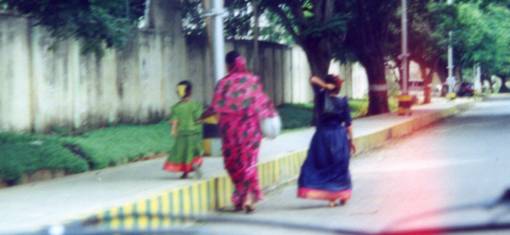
(239, 21)
(368, 38)
(429, 22)
(318, 26)
(95, 22)
(482, 37)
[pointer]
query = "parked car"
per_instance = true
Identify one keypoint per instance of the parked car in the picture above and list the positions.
(465, 89)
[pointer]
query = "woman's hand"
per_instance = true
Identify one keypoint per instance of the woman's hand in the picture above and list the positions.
(329, 86)
(207, 113)
(352, 146)
(314, 80)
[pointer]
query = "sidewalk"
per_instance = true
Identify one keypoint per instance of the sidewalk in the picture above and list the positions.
(143, 186)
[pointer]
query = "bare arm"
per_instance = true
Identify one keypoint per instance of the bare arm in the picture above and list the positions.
(208, 113)
(314, 80)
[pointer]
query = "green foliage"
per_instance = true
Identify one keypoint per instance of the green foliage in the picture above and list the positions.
(482, 36)
(310, 19)
(95, 22)
(239, 21)
(193, 23)
(25, 154)
(121, 144)
(274, 31)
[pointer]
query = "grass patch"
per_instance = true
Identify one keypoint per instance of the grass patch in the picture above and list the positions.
(299, 115)
(25, 154)
(121, 144)
(295, 115)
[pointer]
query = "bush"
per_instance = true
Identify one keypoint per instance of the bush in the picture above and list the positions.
(24, 154)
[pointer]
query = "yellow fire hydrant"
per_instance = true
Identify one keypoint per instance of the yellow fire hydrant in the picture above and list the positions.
(405, 103)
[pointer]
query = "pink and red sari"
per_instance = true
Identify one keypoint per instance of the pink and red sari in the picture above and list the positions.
(240, 101)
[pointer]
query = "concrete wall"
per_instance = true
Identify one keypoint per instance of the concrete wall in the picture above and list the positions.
(44, 83)
(283, 70)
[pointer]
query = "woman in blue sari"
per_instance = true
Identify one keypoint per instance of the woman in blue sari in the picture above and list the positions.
(325, 172)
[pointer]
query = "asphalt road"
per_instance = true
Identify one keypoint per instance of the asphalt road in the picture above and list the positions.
(460, 161)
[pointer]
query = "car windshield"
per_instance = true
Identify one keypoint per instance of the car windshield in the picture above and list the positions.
(254, 117)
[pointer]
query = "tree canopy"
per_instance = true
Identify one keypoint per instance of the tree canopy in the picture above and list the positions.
(95, 22)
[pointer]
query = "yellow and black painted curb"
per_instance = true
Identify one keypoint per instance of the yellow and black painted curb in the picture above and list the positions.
(207, 195)
(198, 198)
(379, 138)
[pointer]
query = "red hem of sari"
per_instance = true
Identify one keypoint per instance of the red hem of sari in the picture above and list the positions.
(183, 167)
(318, 194)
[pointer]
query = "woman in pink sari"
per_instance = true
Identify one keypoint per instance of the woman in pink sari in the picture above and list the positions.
(240, 102)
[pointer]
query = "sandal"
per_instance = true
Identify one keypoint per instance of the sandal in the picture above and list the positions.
(198, 171)
(248, 206)
(248, 209)
(343, 202)
(184, 175)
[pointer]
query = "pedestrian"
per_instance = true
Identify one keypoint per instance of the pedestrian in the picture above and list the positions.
(241, 103)
(325, 172)
(186, 153)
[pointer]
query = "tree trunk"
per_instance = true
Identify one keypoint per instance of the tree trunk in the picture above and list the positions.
(485, 76)
(319, 59)
(504, 88)
(458, 73)
(378, 90)
(427, 80)
(441, 71)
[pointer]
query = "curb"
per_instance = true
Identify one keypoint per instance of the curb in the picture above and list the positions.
(212, 194)
(379, 138)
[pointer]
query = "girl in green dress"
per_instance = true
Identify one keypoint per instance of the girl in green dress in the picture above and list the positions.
(186, 153)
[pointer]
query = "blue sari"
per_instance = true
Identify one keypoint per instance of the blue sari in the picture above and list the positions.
(325, 172)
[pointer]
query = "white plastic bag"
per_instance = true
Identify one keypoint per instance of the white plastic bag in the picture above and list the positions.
(271, 126)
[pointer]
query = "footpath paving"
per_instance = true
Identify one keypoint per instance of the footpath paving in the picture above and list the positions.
(143, 187)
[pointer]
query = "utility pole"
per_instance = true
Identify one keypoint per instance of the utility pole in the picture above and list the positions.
(405, 53)
(218, 39)
(405, 101)
(450, 55)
